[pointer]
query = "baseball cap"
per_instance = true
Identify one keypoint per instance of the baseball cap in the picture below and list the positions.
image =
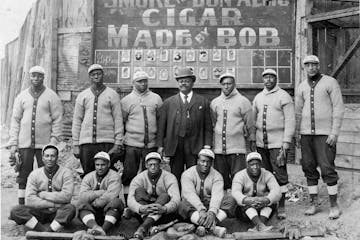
(207, 152)
(252, 156)
(227, 74)
(95, 67)
(311, 59)
(153, 155)
(140, 75)
(49, 146)
(102, 155)
(269, 71)
(37, 69)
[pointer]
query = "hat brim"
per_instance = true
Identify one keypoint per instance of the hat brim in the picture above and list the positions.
(252, 159)
(96, 69)
(186, 76)
(153, 158)
(101, 158)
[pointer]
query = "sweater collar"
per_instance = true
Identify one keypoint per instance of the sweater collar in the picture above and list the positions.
(50, 174)
(254, 179)
(202, 175)
(233, 93)
(275, 89)
(154, 178)
(97, 92)
(314, 79)
(100, 178)
(36, 94)
(136, 92)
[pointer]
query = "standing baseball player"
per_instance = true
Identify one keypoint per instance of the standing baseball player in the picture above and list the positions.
(274, 114)
(320, 109)
(35, 121)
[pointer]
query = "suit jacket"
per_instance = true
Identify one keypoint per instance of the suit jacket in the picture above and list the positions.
(169, 124)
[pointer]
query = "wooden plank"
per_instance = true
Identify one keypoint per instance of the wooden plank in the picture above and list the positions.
(54, 7)
(347, 161)
(74, 14)
(349, 137)
(63, 236)
(348, 54)
(348, 149)
(351, 125)
(313, 232)
(303, 46)
(75, 30)
(333, 14)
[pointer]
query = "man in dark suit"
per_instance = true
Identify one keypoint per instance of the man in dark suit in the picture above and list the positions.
(184, 125)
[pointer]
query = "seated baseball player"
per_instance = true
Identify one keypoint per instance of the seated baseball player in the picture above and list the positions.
(153, 194)
(256, 191)
(203, 201)
(99, 203)
(47, 196)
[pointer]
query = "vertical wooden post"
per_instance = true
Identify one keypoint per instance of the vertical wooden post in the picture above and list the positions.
(303, 45)
(54, 8)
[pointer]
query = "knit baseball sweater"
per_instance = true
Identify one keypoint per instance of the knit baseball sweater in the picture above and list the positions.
(275, 118)
(243, 186)
(36, 121)
(91, 183)
(134, 107)
(213, 189)
(97, 119)
(320, 107)
(167, 183)
(232, 115)
(60, 192)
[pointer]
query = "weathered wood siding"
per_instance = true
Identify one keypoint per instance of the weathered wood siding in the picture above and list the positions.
(34, 46)
(348, 147)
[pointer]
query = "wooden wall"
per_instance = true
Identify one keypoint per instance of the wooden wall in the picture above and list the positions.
(35, 45)
(348, 147)
(56, 34)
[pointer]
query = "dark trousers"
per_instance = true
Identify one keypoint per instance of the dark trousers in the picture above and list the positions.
(114, 208)
(183, 156)
(27, 159)
(316, 152)
(133, 157)
(228, 166)
(63, 215)
(228, 205)
(269, 157)
(142, 197)
(87, 153)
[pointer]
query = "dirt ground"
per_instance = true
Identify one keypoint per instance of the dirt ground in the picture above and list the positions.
(347, 227)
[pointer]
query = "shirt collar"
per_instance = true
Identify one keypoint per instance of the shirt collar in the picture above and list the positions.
(233, 93)
(275, 89)
(188, 98)
(139, 93)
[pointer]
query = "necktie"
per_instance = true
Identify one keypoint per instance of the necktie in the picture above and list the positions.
(186, 100)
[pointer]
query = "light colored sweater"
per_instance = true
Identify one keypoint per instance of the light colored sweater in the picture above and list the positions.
(132, 110)
(167, 183)
(47, 117)
(280, 117)
(213, 189)
(111, 183)
(239, 116)
(109, 123)
(328, 107)
(243, 186)
(62, 188)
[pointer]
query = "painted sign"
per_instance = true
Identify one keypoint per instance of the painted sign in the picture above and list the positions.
(213, 36)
